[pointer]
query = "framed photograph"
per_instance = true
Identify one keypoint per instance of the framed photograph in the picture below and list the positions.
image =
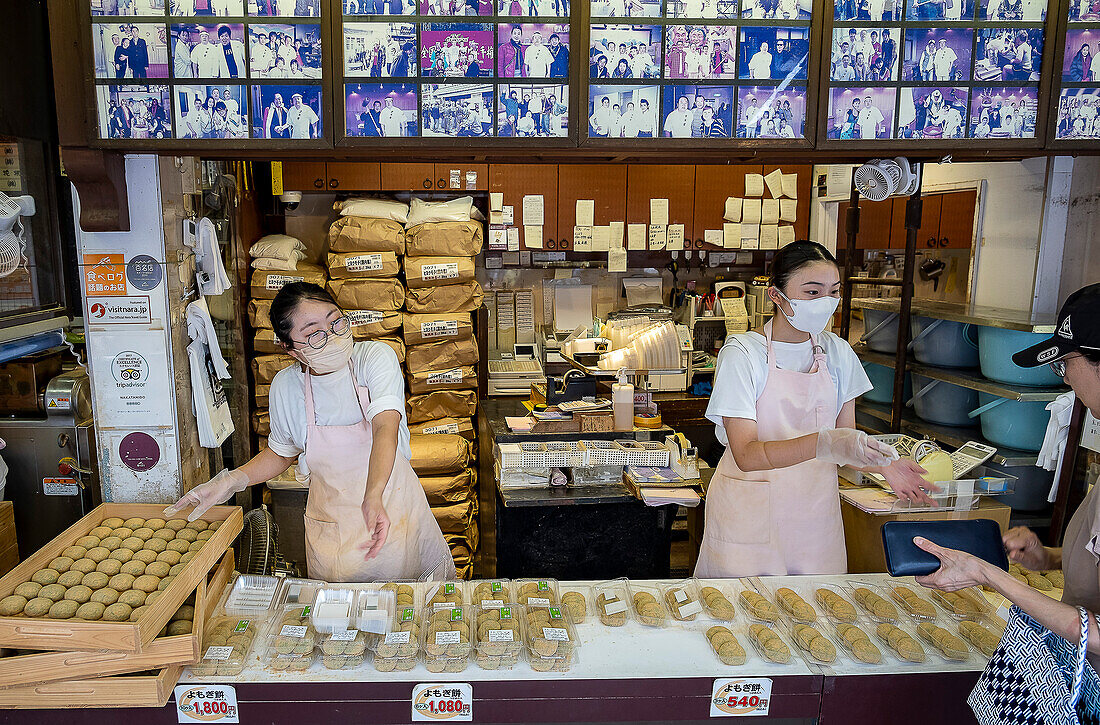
(1081, 62)
(449, 50)
(1028, 11)
(1084, 11)
(130, 50)
(624, 111)
(286, 112)
(638, 45)
(862, 114)
(532, 51)
(538, 8)
(698, 111)
(771, 112)
(939, 10)
(285, 51)
(207, 8)
(127, 7)
(208, 51)
(380, 50)
(211, 111)
(873, 10)
(533, 110)
(624, 8)
(1002, 112)
(386, 110)
(774, 53)
(936, 55)
(699, 52)
(438, 8)
(864, 54)
(701, 9)
(379, 7)
(776, 9)
(933, 112)
(285, 8)
(457, 110)
(134, 112)
(1077, 112)
(1008, 54)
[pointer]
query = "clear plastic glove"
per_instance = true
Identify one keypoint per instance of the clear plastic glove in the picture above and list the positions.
(217, 489)
(851, 447)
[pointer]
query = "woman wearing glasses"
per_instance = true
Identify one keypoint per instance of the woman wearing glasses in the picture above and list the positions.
(343, 407)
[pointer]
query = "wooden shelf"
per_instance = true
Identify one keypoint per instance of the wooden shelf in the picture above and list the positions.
(973, 314)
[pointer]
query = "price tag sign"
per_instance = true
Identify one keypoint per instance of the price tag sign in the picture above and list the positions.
(741, 696)
(206, 704)
(434, 702)
(290, 630)
(346, 636)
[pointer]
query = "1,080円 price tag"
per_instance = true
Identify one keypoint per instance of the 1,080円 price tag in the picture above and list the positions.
(449, 702)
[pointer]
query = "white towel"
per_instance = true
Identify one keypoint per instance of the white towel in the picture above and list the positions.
(201, 329)
(1054, 441)
(209, 269)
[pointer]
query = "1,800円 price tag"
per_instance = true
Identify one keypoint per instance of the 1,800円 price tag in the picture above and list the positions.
(207, 704)
(435, 702)
(741, 696)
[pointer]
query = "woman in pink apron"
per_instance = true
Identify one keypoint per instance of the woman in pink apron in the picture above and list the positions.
(342, 411)
(784, 406)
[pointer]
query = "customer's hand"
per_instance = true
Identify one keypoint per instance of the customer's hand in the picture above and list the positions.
(215, 491)
(377, 523)
(851, 447)
(958, 569)
(906, 479)
(1023, 546)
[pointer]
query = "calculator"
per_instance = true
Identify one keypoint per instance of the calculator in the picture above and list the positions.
(573, 406)
(969, 456)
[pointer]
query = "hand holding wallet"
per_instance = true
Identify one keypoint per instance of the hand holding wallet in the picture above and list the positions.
(979, 537)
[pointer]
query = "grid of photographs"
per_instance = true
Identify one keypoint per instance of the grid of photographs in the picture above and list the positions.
(1079, 97)
(733, 69)
(456, 68)
(208, 69)
(934, 69)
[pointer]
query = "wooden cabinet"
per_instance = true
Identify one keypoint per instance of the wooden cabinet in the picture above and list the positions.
(957, 219)
(445, 177)
(674, 182)
(516, 181)
(876, 225)
(929, 232)
(604, 184)
(304, 175)
(947, 222)
(408, 177)
(354, 176)
(713, 185)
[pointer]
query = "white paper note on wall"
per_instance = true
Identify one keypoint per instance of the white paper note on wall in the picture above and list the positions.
(617, 230)
(507, 215)
(769, 211)
(754, 185)
(616, 260)
(750, 236)
(533, 211)
(658, 212)
(586, 212)
(582, 239)
(790, 186)
(532, 237)
(788, 210)
(714, 237)
(513, 239)
(731, 235)
(496, 201)
(601, 238)
(786, 235)
(774, 182)
(675, 237)
(750, 212)
(658, 236)
(769, 236)
(733, 209)
(635, 236)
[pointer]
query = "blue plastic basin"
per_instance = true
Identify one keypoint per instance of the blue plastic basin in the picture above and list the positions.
(881, 330)
(882, 378)
(996, 347)
(943, 403)
(943, 343)
(1012, 423)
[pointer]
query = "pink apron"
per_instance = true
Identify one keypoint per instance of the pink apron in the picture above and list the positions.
(787, 520)
(338, 457)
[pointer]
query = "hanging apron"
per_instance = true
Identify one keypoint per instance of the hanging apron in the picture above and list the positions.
(786, 520)
(338, 457)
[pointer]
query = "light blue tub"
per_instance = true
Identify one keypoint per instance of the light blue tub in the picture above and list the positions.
(1012, 423)
(996, 347)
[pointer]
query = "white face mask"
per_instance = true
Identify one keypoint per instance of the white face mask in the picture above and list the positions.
(810, 316)
(330, 358)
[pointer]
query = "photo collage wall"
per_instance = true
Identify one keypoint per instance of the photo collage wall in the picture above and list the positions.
(698, 69)
(935, 69)
(1079, 99)
(208, 69)
(456, 68)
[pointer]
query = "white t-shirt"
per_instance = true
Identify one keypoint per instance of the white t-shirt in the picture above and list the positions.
(376, 368)
(760, 65)
(869, 119)
(301, 119)
(743, 371)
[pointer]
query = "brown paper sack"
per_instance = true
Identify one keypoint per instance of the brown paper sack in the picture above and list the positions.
(433, 454)
(259, 314)
(444, 239)
(261, 395)
(264, 367)
(441, 355)
(468, 540)
(360, 265)
(368, 294)
(368, 324)
(437, 271)
(450, 489)
(451, 426)
(265, 343)
(265, 285)
(457, 378)
(362, 234)
(396, 344)
(429, 328)
(441, 404)
(463, 297)
(455, 518)
(261, 423)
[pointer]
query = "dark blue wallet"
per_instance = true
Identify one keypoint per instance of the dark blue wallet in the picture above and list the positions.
(980, 537)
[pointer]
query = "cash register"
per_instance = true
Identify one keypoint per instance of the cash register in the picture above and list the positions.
(515, 373)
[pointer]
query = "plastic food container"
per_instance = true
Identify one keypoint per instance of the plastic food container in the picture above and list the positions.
(982, 638)
(551, 639)
(874, 601)
(834, 603)
(815, 642)
(683, 600)
(916, 606)
(400, 648)
(292, 635)
(252, 596)
(537, 592)
(645, 603)
(577, 598)
(447, 637)
(1012, 423)
(491, 592)
(373, 610)
(299, 592)
(290, 662)
(769, 642)
(796, 607)
(855, 638)
(963, 604)
(225, 647)
(901, 642)
(726, 646)
(717, 600)
(404, 594)
(756, 604)
(445, 593)
(343, 650)
(950, 646)
(500, 636)
(612, 603)
(333, 610)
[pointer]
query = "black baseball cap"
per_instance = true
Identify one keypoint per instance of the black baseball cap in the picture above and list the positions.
(1078, 329)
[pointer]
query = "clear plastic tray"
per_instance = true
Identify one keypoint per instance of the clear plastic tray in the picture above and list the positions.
(795, 605)
(445, 593)
(500, 636)
(551, 639)
(612, 603)
(756, 604)
(405, 594)
(731, 655)
(874, 601)
(343, 662)
(352, 642)
(950, 646)
(577, 598)
(682, 599)
(252, 596)
(597, 475)
(717, 600)
(373, 610)
(537, 592)
(292, 634)
(856, 639)
(333, 610)
(226, 644)
(299, 592)
(834, 603)
(646, 604)
(815, 642)
(400, 649)
(290, 662)
(912, 603)
(981, 637)
(760, 635)
(448, 635)
(491, 592)
(964, 604)
(902, 648)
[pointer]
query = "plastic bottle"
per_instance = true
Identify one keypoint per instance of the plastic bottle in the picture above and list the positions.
(622, 403)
